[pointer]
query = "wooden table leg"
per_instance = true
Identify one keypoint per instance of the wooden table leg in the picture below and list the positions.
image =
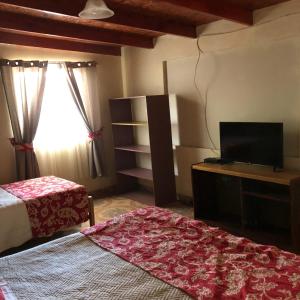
(91, 211)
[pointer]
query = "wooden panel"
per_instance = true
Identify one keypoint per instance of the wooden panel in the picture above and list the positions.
(161, 149)
(123, 20)
(136, 22)
(130, 124)
(162, 9)
(91, 211)
(295, 213)
(255, 4)
(138, 173)
(255, 172)
(129, 98)
(120, 110)
(125, 160)
(135, 148)
(224, 10)
(126, 184)
(195, 11)
(30, 23)
(43, 41)
(204, 194)
(158, 25)
(123, 135)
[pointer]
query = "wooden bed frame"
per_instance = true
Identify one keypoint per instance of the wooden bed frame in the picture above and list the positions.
(91, 211)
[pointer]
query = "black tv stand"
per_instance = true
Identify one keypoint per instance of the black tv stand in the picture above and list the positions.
(250, 200)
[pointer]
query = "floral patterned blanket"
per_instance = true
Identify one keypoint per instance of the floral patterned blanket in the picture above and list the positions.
(52, 203)
(5, 291)
(205, 262)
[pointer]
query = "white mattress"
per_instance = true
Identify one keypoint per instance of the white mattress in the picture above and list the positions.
(15, 227)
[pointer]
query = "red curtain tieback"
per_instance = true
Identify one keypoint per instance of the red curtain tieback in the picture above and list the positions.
(21, 147)
(93, 135)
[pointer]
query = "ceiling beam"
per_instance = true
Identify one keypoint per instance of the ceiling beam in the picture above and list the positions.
(25, 39)
(222, 9)
(29, 23)
(123, 20)
(154, 24)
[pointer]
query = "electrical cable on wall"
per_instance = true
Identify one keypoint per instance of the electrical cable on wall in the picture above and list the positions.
(201, 52)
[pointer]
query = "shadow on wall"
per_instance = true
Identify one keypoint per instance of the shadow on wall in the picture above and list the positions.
(190, 128)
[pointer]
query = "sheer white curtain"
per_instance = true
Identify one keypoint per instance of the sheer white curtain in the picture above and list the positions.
(61, 140)
(82, 79)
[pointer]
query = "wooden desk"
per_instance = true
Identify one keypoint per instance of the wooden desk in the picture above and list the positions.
(241, 197)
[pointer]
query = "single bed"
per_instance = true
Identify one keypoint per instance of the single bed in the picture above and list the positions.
(151, 253)
(40, 207)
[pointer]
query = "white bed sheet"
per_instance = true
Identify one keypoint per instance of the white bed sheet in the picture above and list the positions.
(15, 227)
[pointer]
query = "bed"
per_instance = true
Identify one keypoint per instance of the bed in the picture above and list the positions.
(40, 207)
(151, 253)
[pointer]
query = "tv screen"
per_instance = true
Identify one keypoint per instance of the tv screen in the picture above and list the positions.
(256, 143)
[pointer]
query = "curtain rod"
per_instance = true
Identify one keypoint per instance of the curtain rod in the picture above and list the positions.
(75, 62)
(25, 63)
(50, 61)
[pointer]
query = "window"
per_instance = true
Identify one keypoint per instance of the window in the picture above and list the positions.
(61, 126)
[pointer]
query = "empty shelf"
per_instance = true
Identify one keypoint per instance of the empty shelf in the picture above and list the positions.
(135, 148)
(138, 173)
(130, 123)
(130, 98)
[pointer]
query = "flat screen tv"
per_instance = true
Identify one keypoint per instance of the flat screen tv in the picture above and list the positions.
(256, 143)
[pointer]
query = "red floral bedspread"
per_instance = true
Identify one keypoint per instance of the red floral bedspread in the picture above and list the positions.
(52, 203)
(205, 262)
(5, 291)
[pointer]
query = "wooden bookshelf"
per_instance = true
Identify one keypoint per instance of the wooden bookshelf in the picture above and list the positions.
(157, 126)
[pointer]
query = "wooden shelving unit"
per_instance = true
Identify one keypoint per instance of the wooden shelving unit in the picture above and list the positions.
(126, 123)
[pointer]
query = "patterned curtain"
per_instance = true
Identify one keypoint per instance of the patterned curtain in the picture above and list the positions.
(23, 83)
(87, 101)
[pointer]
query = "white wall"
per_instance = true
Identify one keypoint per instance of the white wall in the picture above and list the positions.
(110, 78)
(252, 74)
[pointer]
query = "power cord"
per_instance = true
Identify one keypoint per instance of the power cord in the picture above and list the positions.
(201, 52)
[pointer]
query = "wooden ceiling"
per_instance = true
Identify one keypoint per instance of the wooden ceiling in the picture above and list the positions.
(55, 23)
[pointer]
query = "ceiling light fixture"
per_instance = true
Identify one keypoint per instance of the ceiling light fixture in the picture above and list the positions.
(96, 9)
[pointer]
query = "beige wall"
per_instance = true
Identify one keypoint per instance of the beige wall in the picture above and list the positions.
(110, 78)
(251, 75)
(253, 71)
